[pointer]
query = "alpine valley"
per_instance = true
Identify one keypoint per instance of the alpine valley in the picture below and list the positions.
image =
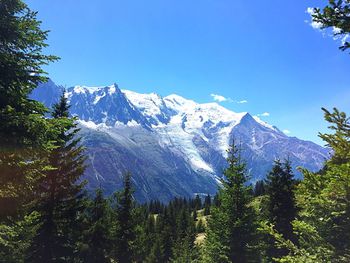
(172, 146)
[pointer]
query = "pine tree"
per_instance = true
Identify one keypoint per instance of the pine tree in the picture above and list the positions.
(197, 203)
(281, 203)
(183, 251)
(97, 238)
(25, 135)
(207, 204)
(157, 254)
(168, 229)
(145, 234)
(161, 248)
(340, 140)
(125, 234)
(200, 228)
(335, 15)
(259, 188)
(59, 193)
(323, 224)
(232, 227)
(183, 248)
(216, 201)
(332, 204)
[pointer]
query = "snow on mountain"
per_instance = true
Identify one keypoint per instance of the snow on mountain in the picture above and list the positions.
(106, 105)
(173, 145)
(186, 120)
(152, 106)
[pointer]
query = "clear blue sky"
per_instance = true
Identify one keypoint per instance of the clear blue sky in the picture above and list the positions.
(260, 51)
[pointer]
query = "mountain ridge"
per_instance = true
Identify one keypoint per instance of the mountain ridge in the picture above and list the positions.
(171, 144)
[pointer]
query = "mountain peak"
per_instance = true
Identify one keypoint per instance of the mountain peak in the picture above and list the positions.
(79, 89)
(171, 139)
(113, 89)
(247, 117)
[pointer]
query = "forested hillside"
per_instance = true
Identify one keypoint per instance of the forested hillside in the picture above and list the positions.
(46, 214)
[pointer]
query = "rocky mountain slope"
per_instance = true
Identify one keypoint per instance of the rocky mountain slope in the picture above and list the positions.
(171, 145)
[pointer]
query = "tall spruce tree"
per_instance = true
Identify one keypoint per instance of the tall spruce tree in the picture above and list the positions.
(323, 223)
(282, 211)
(207, 205)
(157, 254)
(197, 203)
(231, 228)
(59, 193)
(125, 228)
(25, 135)
(145, 233)
(259, 188)
(97, 238)
(184, 251)
(184, 248)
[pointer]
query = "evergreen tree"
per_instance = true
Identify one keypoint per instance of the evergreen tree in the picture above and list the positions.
(125, 232)
(259, 188)
(97, 237)
(216, 201)
(323, 224)
(197, 203)
(200, 226)
(231, 227)
(168, 228)
(144, 232)
(157, 254)
(340, 140)
(25, 135)
(145, 237)
(335, 15)
(59, 195)
(163, 241)
(195, 215)
(184, 251)
(337, 192)
(207, 204)
(281, 203)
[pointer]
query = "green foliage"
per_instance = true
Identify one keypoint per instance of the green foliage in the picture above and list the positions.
(312, 248)
(335, 15)
(14, 238)
(200, 226)
(339, 141)
(58, 193)
(97, 237)
(259, 188)
(232, 227)
(125, 230)
(281, 203)
(21, 57)
(26, 137)
(184, 251)
(207, 204)
(44, 216)
(197, 203)
(323, 226)
(23, 131)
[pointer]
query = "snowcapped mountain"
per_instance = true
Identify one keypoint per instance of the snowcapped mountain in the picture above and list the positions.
(173, 146)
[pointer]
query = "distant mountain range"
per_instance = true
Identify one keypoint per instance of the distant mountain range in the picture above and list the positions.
(172, 146)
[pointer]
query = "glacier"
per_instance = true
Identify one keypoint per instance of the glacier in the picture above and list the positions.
(172, 145)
